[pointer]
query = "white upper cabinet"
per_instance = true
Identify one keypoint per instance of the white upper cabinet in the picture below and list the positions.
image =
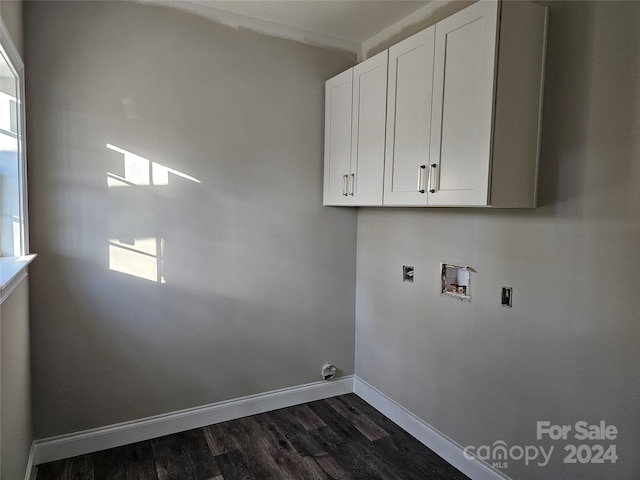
(337, 137)
(487, 105)
(407, 163)
(368, 127)
(461, 121)
(355, 115)
(463, 115)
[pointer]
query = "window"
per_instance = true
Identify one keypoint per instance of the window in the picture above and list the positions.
(13, 201)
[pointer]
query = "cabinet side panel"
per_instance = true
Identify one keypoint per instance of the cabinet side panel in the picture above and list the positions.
(518, 105)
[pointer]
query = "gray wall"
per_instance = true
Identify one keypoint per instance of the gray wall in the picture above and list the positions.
(16, 432)
(11, 13)
(259, 278)
(568, 350)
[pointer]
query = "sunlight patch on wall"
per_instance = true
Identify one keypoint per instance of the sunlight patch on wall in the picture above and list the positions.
(140, 257)
(140, 171)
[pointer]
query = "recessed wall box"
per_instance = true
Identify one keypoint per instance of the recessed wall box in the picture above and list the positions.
(506, 297)
(455, 281)
(407, 273)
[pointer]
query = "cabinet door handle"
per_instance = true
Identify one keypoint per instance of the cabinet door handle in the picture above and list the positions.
(353, 184)
(421, 170)
(432, 174)
(345, 185)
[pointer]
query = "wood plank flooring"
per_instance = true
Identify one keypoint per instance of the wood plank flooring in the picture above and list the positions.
(340, 438)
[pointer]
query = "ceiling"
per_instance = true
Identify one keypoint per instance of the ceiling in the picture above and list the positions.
(341, 24)
(345, 19)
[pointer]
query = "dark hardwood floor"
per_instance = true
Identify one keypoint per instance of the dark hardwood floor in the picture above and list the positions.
(339, 438)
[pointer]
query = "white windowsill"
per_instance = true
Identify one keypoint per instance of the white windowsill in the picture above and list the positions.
(12, 270)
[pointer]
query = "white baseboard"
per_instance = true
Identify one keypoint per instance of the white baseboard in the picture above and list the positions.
(30, 472)
(451, 451)
(88, 441)
(94, 440)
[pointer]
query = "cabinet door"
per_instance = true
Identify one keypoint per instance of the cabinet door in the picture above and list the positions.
(409, 120)
(461, 124)
(369, 115)
(337, 138)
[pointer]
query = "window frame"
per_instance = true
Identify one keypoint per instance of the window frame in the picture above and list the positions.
(13, 268)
